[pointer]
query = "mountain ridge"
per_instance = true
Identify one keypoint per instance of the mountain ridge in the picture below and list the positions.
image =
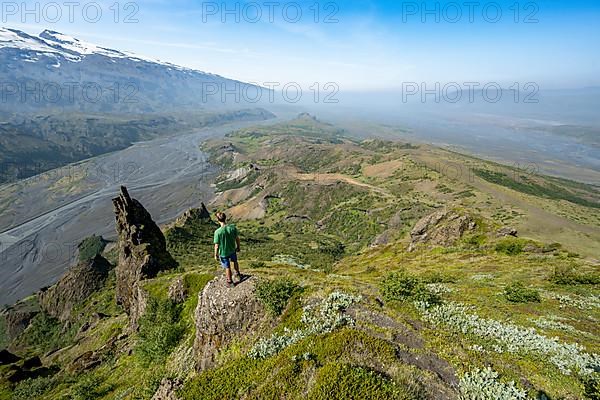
(56, 72)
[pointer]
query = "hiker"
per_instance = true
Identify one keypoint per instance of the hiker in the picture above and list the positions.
(227, 245)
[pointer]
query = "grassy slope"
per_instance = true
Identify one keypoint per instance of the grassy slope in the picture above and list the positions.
(340, 201)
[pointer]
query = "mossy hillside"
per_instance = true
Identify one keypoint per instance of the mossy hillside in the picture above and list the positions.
(166, 327)
(396, 186)
(479, 280)
(313, 367)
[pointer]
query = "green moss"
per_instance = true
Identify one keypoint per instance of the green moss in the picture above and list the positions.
(160, 331)
(290, 372)
(342, 381)
(46, 333)
(194, 283)
(90, 387)
(32, 389)
(90, 247)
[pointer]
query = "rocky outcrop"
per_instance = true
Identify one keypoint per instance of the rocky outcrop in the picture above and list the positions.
(75, 286)
(442, 228)
(142, 251)
(193, 215)
(168, 390)
(91, 359)
(139, 303)
(221, 315)
(18, 317)
(507, 231)
(177, 291)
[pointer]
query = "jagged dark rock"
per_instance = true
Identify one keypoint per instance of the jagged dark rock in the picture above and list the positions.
(75, 286)
(142, 252)
(221, 315)
(168, 389)
(7, 358)
(193, 215)
(442, 228)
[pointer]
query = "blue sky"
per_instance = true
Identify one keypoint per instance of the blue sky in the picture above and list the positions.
(366, 45)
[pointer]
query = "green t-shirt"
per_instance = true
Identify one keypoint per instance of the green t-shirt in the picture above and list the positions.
(225, 237)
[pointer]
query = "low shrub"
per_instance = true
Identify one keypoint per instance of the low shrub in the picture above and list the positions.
(160, 331)
(592, 386)
(518, 293)
(438, 277)
(32, 388)
(343, 381)
(275, 294)
(258, 264)
(475, 240)
(401, 286)
(89, 387)
(510, 246)
(567, 275)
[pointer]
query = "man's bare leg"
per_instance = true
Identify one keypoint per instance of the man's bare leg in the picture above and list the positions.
(236, 266)
(228, 275)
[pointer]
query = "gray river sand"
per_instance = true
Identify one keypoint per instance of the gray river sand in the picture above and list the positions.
(43, 218)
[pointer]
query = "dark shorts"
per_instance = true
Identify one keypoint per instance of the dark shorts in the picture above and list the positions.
(226, 261)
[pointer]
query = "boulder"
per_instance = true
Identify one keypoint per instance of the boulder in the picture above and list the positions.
(74, 287)
(168, 389)
(507, 231)
(441, 228)
(177, 291)
(142, 250)
(223, 314)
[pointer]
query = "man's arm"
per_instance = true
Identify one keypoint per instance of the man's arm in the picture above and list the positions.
(237, 242)
(217, 251)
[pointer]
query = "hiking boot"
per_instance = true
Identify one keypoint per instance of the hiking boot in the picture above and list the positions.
(230, 285)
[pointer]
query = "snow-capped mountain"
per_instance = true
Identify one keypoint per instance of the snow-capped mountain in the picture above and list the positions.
(56, 71)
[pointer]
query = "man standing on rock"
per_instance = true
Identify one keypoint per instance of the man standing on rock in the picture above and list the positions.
(227, 245)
